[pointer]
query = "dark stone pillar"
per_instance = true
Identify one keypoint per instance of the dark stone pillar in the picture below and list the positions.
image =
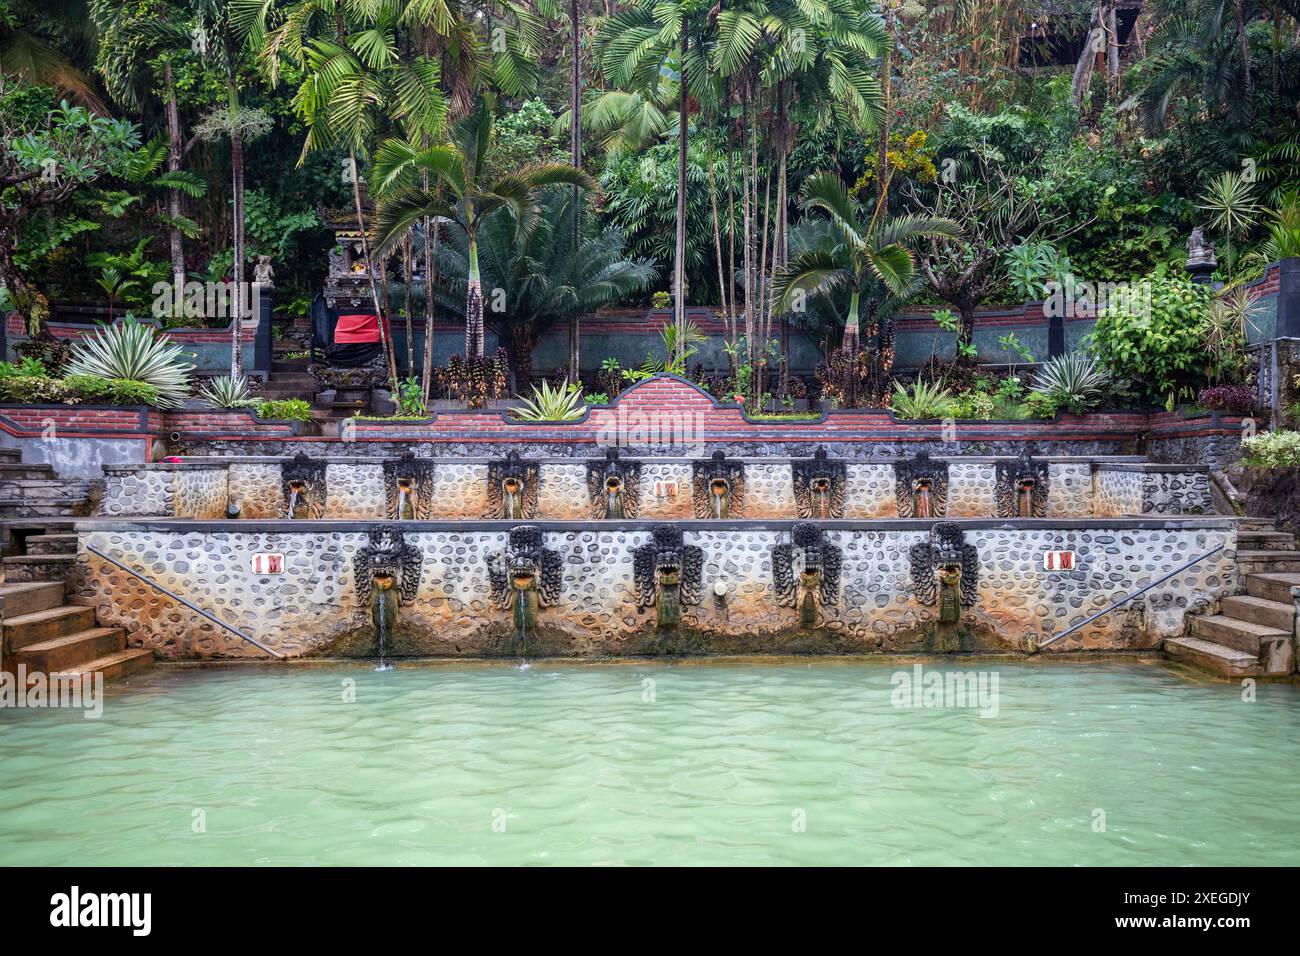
(1055, 335)
(262, 341)
(1288, 299)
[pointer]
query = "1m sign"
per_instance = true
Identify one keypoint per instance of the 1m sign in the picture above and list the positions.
(1058, 561)
(267, 562)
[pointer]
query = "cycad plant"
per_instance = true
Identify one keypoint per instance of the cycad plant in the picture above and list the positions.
(546, 404)
(134, 351)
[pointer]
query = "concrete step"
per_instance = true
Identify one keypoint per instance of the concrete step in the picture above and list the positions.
(1244, 636)
(1212, 657)
(62, 543)
(71, 650)
(1256, 524)
(46, 625)
(24, 507)
(1272, 587)
(118, 664)
(1261, 611)
(39, 567)
(1265, 541)
(30, 596)
(30, 472)
(1263, 562)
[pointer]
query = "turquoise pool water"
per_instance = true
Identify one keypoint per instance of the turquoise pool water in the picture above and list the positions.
(719, 763)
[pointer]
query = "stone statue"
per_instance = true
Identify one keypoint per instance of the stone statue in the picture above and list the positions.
(1201, 262)
(263, 274)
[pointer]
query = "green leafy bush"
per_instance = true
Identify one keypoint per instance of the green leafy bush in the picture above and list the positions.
(135, 352)
(35, 390)
(973, 404)
(1280, 449)
(284, 410)
(410, 399)
(1164, 352)
(1040, 405)
(111, 391)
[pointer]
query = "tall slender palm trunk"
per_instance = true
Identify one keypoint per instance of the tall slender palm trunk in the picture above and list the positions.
(473, 303)
(575, 107)
(679, 268)
(175, 147)
(380, 312)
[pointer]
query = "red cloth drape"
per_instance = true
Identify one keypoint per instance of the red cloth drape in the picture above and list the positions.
(357, 329)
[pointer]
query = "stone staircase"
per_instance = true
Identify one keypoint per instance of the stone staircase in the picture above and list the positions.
(49, 636)
(1253, 634)
(38, 510)
(289, 378)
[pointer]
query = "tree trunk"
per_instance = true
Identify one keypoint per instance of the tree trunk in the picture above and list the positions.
(575, 142)
(408, 266)
(1243, 45)
(174, 150)
(850, 341)
(473, 304)
(237, 232)
(380, 312)
(965, 331)
(886, 96)
(679, 266)
(1082, 79)
(30, 302)
(430, 279)
(519, 348)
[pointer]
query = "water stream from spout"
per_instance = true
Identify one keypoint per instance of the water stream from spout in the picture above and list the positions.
(293, 502)
(402, 495)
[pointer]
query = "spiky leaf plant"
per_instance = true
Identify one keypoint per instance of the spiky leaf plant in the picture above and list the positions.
(1074, 381)
(922, 401)
(137, 352)
(227, 392)
(562, 404)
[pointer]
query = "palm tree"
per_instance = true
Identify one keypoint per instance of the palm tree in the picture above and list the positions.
(544, 276)
(465, 198)
(353, 79)
(29, 57)
(870, 244)
(639, 43)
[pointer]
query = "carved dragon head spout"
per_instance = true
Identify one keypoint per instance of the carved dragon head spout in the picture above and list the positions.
(614, 486)
(668, 573)
(387, 575)
(806, 572)
(945, 571)
(408, 487)
(819, 486)
(302, 481)
(718, 487)
(523, 578)
(921, 487)
(1022, 487)
(512, 487)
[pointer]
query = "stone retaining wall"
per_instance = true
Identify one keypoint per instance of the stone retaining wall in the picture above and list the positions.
(314, 607)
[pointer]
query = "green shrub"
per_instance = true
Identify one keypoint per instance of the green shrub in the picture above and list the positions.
(1040, 405)
(35, 390)
(1280, 449)
(973, 404)
(110, 391)
(26, 368)
(1165, 353)
(285, 410)
(410, 399)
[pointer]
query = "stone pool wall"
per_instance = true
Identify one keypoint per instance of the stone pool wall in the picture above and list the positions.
(355, 489)
(315, 608)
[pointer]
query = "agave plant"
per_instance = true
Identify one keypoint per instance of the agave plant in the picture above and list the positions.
(134, 351)
(563, 404)
(1074, 381)
(227, 392)
(922, 401)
